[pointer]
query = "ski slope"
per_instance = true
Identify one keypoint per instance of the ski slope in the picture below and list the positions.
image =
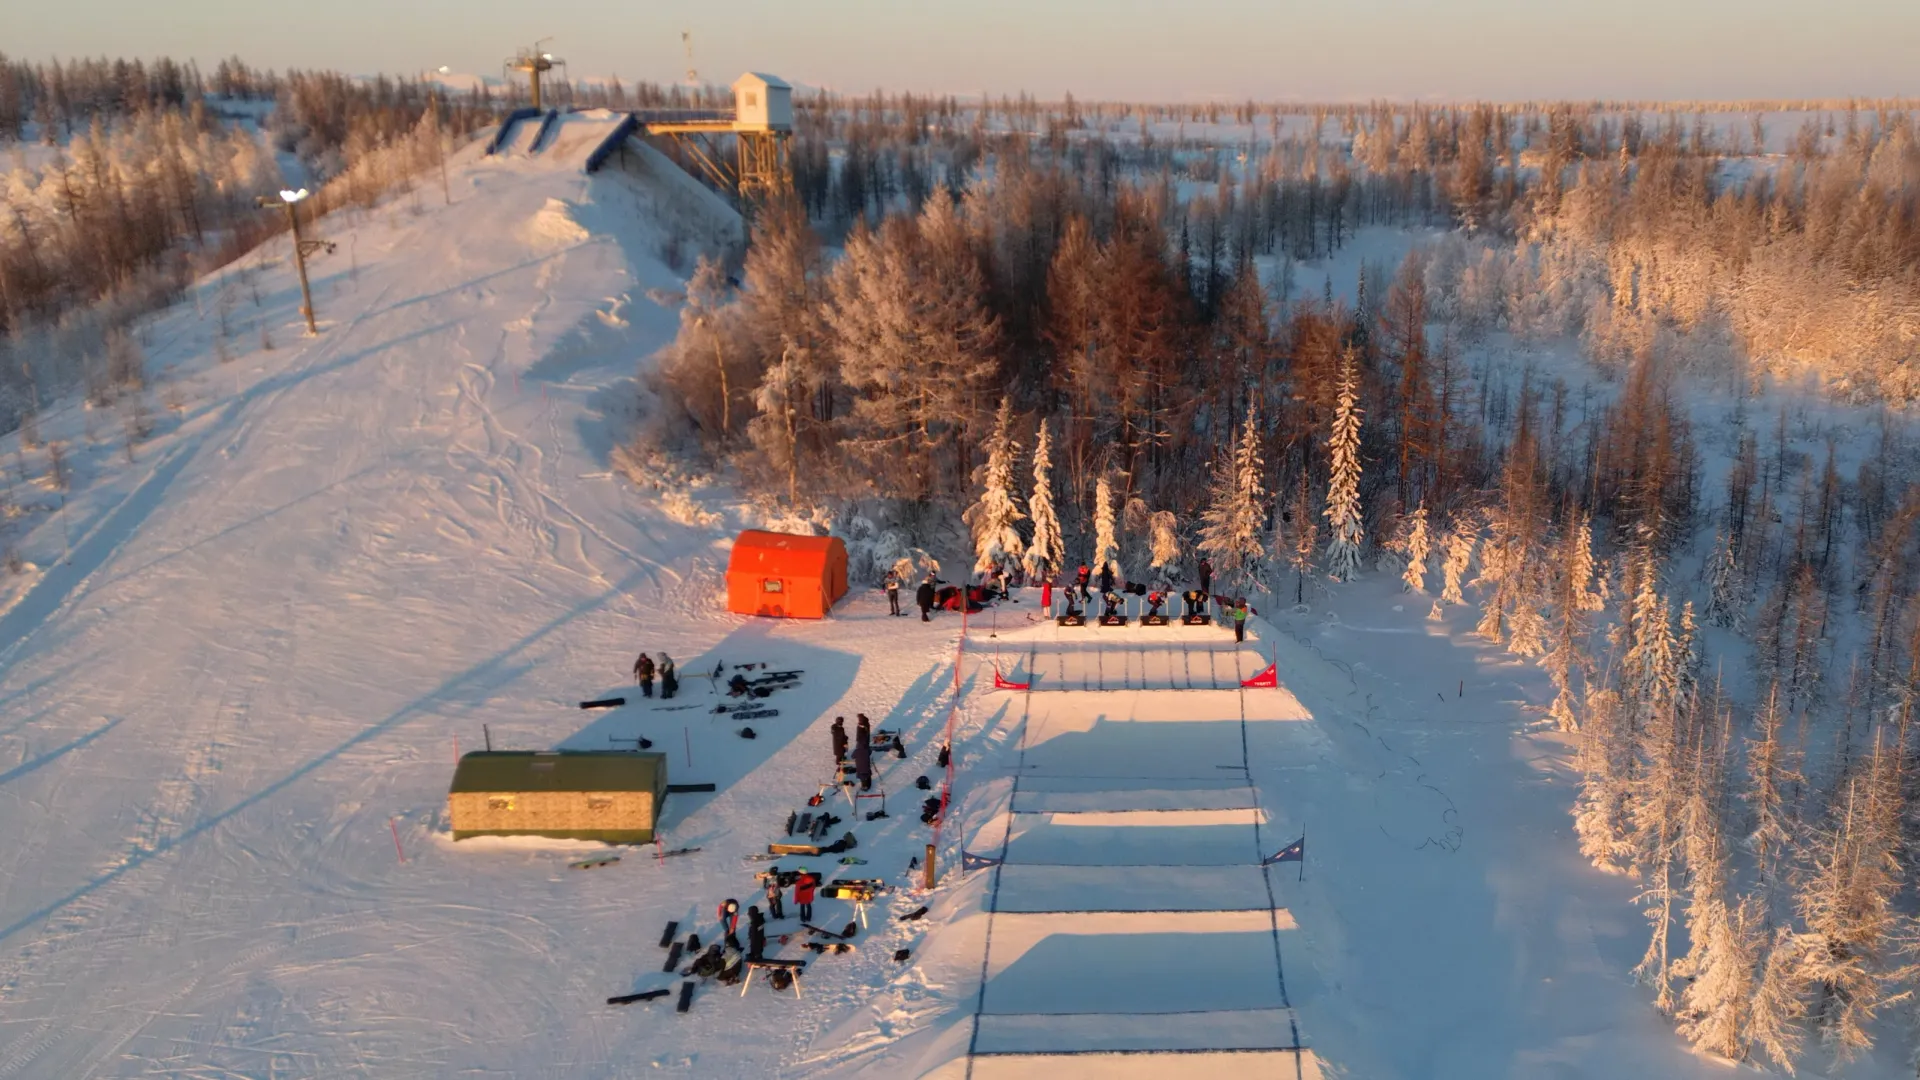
(234, 684)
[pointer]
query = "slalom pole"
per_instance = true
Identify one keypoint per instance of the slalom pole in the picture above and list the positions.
(392, 823)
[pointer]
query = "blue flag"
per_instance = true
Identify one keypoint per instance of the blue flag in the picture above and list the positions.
(1294, 852)
(970, 861)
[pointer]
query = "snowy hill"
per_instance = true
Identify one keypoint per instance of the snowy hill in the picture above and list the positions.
(234, 690)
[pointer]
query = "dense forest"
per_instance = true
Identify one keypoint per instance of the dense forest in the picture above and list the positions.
(1044, 337)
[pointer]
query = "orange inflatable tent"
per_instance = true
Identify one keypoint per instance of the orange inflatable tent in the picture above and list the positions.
(786, 576)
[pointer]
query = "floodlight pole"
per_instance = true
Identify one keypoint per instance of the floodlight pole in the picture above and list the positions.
(300, 263)
(301, 246)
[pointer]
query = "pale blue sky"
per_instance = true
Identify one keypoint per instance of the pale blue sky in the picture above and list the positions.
(1194, 50)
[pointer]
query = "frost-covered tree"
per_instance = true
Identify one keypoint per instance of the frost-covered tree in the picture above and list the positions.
(1574, 599)
(1345, 531)
(1299, 538)
(1046, 553)
(1853, 927)
(996, 541)
(1459, 543)
(1419, 545)
(1106, 537)
(1231, 526)
(1723, 606)
(1770, 774)
(1720, 965)
(1600, 810)
(1164, 529)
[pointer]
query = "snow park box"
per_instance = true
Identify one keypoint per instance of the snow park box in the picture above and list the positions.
(608, 795)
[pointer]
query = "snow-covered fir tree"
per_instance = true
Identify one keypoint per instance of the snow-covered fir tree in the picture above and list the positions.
(1106, 538)
(1454, 565)
(1414, 578)
(1345, 531)
(1723, 938)
(1164, 530)
(996, 541)
(1298, 537)
(1574, 599)
(1046, 552)
(1231, 526)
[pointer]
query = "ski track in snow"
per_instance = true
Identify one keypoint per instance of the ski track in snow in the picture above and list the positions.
(346, 555)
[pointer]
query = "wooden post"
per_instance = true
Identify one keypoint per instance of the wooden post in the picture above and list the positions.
(928, 880)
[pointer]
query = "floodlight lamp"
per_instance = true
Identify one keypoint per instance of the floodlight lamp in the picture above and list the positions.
(292, 196)
(445, 70)
(546, 56)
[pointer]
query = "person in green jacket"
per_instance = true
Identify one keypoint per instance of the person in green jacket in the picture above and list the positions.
(1240, 620)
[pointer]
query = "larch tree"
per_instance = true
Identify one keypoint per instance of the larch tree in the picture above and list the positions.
(996, 540)
(1231, 526)
(1300, 538)
(1722, 956)
(1046, 552)
(1459, 544)
(1770, 774)
(1345, 531)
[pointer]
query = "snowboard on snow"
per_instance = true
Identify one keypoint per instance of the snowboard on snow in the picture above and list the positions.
(647, 995)
(594, 863)
(686, 997)
(672, 931)
(673, 956)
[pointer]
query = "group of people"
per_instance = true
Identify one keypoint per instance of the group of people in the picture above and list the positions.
(644, 669)
(928, 595)
(725, 959)
(933, 593)
(862, 752)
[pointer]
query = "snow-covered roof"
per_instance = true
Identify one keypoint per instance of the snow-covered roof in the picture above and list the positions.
(757, 78)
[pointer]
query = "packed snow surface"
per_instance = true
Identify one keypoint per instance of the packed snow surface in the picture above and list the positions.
(232, 696)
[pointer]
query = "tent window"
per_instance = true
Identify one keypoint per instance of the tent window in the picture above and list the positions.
(499, 802)
(599, 802)
(773, 585)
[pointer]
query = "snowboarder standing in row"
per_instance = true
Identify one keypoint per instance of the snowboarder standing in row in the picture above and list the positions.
(803, 894)
(775, 909)
(756, 934)
(892, 584)
(669, 678)
(1106, 577)
(643, 674)
(1240, 620)
(863, 766)
(1081, 580)
(923, 596)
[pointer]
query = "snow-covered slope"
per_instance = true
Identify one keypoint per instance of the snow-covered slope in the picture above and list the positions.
(232, 693)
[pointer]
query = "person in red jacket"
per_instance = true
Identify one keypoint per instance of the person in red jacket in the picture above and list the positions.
(1046, 596)
(803, 894)
(729, 917)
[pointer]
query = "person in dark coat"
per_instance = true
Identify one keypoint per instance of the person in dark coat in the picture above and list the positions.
(1081, 581)
(1206, 576)
(923, 596)
(669, 677)
(1113, 604)
(892, 584)
(839, 741)
(643, 674)
(803, 894)
(729, 916)
(1106, 577)
(863, 765)
(756, 934)
(863, 732)
(775, 910)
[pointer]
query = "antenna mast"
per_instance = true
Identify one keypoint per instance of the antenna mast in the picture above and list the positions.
(693, 74)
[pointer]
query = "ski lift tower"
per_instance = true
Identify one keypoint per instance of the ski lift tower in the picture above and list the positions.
(534, 62)
(761, 124)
